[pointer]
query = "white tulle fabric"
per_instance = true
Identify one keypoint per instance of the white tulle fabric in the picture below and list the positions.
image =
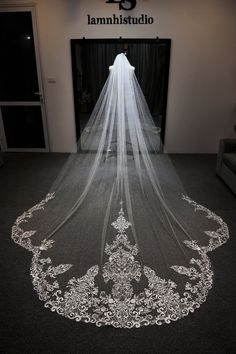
(117, 241)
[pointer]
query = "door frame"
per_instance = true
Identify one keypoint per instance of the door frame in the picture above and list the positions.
(41, 103)
(124, 42)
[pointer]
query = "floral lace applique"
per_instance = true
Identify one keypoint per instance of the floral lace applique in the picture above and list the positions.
(158, 303)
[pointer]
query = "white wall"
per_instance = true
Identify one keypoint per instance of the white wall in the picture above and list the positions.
(202, 86)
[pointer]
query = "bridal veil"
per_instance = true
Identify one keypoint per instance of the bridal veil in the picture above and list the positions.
(116, 241)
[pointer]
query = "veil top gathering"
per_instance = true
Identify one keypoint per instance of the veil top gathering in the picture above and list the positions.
(116, 241)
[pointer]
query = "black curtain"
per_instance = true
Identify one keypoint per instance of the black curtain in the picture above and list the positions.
(91, 61)
(96, 59)
(149, 62)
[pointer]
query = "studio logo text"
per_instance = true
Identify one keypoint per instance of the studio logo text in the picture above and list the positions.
(123, 4)
(121, 19)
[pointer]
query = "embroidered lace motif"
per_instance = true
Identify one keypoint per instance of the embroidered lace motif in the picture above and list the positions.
(158, 303)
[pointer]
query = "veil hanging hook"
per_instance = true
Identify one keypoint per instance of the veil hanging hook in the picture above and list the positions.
(126, 48)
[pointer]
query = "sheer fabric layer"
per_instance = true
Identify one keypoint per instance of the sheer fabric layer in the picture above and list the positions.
(116, 241)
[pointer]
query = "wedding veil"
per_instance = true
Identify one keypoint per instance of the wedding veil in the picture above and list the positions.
(116, 241)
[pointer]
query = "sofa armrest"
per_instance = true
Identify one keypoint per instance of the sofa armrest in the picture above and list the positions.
(1, 158)
(228, 145)
(225, 146)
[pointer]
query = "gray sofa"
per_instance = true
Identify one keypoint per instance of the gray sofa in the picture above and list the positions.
(226, 162)
(1, 157)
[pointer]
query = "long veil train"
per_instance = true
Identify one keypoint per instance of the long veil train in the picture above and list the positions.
(116, 241)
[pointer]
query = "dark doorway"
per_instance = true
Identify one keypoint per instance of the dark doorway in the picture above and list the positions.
(22, 113)
(91, 59)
